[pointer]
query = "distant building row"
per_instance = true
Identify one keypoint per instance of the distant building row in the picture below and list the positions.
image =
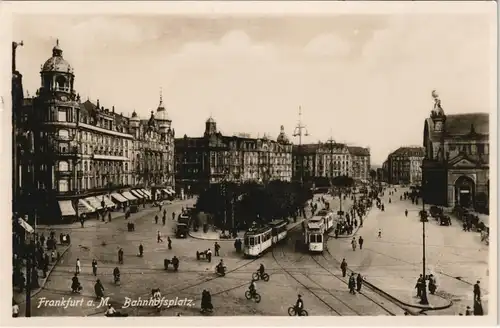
(215, 158)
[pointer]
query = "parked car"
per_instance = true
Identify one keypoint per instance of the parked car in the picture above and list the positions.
(181, 230)
(444, 220)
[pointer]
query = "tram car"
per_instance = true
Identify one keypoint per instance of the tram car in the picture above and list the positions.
(279, 231)
(259, 240)
(328, 218)
(314, 237)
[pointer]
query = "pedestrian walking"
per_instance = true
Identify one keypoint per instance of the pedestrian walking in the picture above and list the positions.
(361, 241)
(406, 213)
(359, 282)
(216, 248)
(173, 215)
(82, 221)
(141, 250)
(120, 256)
(94, 267)
(352, 284)
(343, 267)
(109, 216)
(209, 255)
(165, 213)
(353, 243)
(169, 241)
(156, 219)
(420, 285)
(78, 266)
(164, 219)
(477, 292)
(158, 237)
(379, 233)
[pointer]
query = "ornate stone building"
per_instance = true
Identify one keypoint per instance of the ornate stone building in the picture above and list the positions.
(214, 157)
(456, 164)
(330, 159)
(82, 149)
(404, 165)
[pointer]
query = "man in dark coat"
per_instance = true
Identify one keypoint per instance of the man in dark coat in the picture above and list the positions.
(352, 284)
(359, 282)
(477, 292)
(343, 267)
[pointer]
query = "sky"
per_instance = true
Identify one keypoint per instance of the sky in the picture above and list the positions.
(364, 80)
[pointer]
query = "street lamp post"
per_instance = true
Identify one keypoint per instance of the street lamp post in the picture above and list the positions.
(423, 299)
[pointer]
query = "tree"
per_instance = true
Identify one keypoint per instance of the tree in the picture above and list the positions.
(373, 174)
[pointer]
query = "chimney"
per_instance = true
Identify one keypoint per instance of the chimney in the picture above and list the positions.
(113, 108)
(97, 105)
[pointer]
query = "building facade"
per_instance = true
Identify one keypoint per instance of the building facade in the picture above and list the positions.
(214, 158)
(83, 149)
(405, 165)
(330, 160)
(361, 164)
(456, 164)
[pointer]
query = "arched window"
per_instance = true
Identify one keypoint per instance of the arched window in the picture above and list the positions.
(61, 82)
(63, 166)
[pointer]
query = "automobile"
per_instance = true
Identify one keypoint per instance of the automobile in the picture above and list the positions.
(444, 220)
(435, 211)
(181, 230)
(134, 208)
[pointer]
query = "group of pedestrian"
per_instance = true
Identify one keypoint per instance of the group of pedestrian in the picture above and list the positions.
(355, 282)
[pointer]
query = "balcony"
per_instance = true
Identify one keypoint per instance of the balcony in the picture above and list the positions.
(68, 173)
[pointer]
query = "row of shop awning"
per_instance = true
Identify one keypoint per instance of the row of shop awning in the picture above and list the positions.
(91, 204)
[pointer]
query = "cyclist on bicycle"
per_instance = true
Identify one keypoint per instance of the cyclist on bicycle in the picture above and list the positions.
(253, 288)
(299, 305)
(261, 270)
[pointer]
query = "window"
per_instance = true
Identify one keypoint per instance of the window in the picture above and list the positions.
(63, 134)
(63, 166)
(63, 185)
(480, 149)
(251, 241)
(61, 115)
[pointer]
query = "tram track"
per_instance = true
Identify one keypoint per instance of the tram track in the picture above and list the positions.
(383, 295)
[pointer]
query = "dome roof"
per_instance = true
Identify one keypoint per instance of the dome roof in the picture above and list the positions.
(282, 138)
(210, 120)
(56, 63)
(134, 117)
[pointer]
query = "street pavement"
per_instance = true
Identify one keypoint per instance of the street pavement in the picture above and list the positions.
(394, 261)
(316, 278)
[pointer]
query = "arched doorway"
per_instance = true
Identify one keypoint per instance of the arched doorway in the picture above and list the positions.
(464, 191)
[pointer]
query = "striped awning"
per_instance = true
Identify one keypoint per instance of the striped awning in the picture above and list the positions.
(119, 198)
(142, 193)
(146, 192)
(94, 202)
(128, 195)
(171, 190)
(107, 202)
(136, 194)
(84, 207)
(66, 208)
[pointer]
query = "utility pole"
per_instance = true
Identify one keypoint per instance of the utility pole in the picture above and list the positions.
(332, 144)
(301, 130)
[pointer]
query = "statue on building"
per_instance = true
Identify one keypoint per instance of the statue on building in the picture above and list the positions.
(437, 110)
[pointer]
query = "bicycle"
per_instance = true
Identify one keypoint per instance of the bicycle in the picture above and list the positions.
(256, 276)
(292, 311)
(256, 296)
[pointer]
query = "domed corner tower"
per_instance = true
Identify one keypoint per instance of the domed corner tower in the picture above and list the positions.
(57, 76)
(134, 121)
(164, 122)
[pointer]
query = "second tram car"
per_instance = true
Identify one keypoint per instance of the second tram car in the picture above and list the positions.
(258, 240)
